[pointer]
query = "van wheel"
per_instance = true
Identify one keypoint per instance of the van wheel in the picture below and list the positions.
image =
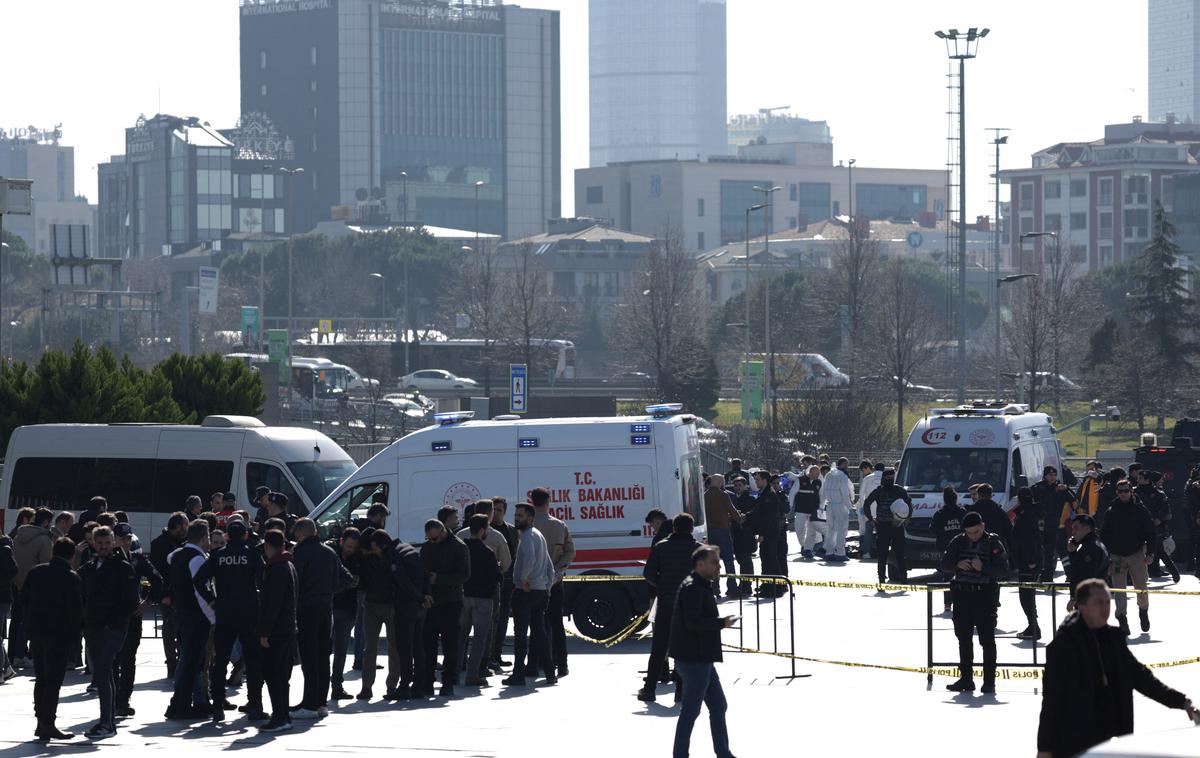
(600, 612)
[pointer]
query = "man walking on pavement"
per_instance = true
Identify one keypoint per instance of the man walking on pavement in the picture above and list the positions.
(1089, 556)
(562, 554)
(319, 576)
(696, 647)
(1026, 555)
(448, 563)
(1128, 533)
(839, 499)
(54, 616)
(669, 564)
(150, 584)
(533, 573)
(110, 598)
(1090, 676)
(478, 594)
(719, 517)
(978, 562)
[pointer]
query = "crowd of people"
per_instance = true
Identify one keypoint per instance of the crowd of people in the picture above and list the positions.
(244, 597)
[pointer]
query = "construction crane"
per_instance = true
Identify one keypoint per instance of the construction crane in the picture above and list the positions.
(767, 111)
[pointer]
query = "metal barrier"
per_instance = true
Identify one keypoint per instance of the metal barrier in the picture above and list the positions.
(935, 587)
(758, 582)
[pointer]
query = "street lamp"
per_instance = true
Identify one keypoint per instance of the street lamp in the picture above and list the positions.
(478, 184)
(961, 46)
(746, 282)
(382, 294)
(850, 167)
(291, 173)
(404, 198)
(998, 140)
(768, 197)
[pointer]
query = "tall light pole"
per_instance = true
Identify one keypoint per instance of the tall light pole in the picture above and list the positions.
(746, 284)
(1000, 282)
(262, 251)
(997, 140)
(478, 184)
(404, 198)
(768, 197)
(850, 192)
(382, 293)
(961, 46)
(291, 174)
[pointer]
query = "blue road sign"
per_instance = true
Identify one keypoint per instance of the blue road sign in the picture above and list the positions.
(518, 390)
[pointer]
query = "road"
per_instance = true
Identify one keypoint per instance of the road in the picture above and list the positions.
(843, 710)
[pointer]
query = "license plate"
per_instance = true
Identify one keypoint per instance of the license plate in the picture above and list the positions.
(929, 556)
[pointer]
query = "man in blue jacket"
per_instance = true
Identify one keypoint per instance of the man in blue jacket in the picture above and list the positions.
(319, 576)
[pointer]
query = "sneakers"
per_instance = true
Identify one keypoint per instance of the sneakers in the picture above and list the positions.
(364, 695)
(100, 731)
(646, 694)
(962, 685)
(1144, 617)
(305, 714)
(806, 555)
(256, 715)
(275, 726)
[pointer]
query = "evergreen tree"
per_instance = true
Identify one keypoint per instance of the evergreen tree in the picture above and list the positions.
(204, 385)
(1159, 299)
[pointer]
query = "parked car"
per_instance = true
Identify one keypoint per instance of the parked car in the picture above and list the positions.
(435, 379)
(709, 434)
(629, 377)
(415, 397)
(882, 383)
(406, 405)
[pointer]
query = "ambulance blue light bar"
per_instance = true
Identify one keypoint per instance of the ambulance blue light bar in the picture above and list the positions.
(455, 417)
(640, 439)
(527, 442)
(440, 446)
(662, 410)
(639, 428)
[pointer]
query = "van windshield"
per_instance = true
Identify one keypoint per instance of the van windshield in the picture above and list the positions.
(931, 470)
(319, 478)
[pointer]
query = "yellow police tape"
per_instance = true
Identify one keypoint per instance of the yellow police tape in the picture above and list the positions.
(617, 638)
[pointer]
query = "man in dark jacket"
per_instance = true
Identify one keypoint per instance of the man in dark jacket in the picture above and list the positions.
(53, 613)
(448, 563)
(171, 539)
(235, 571)
(110, 598)
(946, 524)
(478, 592)
(277, 627)
(744, 540)
(889, 531)
(1128, 534)
(378, 584)
(669, 564)
(150, 588)
(319, 576)
(1089, 556)
(413, 598)
(995, 518)
(195, 616)
(1026, 557)
(696, 647)
(96, 506)
(978, 561)
(1090, 676)
(1051, 497)
(504, 608)
(764, 521)
(1149, 490)
(1192, 509)
(8, 575)
(345, 607)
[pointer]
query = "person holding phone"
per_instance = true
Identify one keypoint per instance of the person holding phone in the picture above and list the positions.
(696, 628)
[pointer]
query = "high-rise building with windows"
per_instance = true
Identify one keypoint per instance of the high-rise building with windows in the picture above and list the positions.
(1174, 70)
(657, 80)
(443, 112)
(37, 155)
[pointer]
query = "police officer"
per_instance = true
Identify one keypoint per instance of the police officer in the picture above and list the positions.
(1192, 493)
(150, 589)
(1027, 558)
(236, 571)
(978, 561)
(1089, 556)
(889, 531)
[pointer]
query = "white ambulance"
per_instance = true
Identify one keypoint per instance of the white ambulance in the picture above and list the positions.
(1002, 444)
(604, 475)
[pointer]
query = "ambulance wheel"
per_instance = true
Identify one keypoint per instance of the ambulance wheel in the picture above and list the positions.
(600, 612)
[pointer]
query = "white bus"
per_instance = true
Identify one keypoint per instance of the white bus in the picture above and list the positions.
(149, 470)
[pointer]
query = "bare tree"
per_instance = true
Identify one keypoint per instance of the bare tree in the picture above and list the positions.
(1031, 332)
(527, 311)
(1136, 374)
(479, 297)
(906, 330)
(856, 267)
(661, 313)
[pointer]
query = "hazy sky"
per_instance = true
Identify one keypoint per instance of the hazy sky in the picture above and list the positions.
(1050, 71)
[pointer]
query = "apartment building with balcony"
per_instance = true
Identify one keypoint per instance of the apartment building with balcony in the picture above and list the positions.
(1098, 198)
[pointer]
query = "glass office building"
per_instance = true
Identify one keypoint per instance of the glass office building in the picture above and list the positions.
(657, 80)
(440, 112)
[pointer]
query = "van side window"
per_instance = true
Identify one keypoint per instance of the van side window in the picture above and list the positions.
(68, 483)
(46, 483)
(351, 505)
(266, 475)
(174, 480)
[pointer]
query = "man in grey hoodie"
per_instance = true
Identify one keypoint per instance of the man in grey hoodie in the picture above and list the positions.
(533, 574)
